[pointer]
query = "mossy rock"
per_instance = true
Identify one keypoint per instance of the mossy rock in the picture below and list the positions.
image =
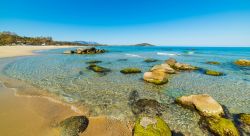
(147, 126)
(245, 118)
(213, 73)
(221, 126)
(130, 71)
(159, 82)
(74, 125)
(93, 61)
(149, 60)
(242, 62)
(213, 62)
(98, 69)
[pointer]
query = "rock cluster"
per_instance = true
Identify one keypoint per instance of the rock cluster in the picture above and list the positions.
(242, 62)
(159, 74)
(92, 50)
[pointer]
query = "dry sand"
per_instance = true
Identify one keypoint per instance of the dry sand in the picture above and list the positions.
(14, 51)
(34, 116)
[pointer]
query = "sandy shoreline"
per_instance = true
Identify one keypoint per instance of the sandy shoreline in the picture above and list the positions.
(14, 51)
(34, 115)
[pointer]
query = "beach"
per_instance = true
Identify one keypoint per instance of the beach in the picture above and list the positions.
(32, 114)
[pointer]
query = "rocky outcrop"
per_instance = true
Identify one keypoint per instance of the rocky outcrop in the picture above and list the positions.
(156, 77)
(163, 68)
(92, 50)
(221, 126)
(203, 103)
(213, 73)
(130, 70)
(73, 126)
(151, 126)
(182, 66)
(171, 62)
(242, 62)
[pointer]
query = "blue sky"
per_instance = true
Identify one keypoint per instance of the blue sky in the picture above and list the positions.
(161, 22)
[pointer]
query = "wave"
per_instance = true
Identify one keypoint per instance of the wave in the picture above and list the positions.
(167, 54)
(134, 55)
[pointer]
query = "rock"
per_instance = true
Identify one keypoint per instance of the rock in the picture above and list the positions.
(149, 60)
(242, 62)
(72, 126)
(171, 62)
(163, 68)
(222, 127)
(93, 61)
(245, 118)
(213, 62)
(204, 103)
(182, 66)
(130, 71)
(156, 77)
(146, 106)
(98, 69)
(213, 73)
(151, 126)
(68, 52)
(88, 51)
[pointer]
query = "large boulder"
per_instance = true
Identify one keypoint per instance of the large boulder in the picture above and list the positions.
(72, 126)
(171, 62)
(182, 66)
(242, 62)
(222, 127)
(204, 103)
(130, 70)
(156, 77)
(213, 73)
(164, 68)
(151, 126)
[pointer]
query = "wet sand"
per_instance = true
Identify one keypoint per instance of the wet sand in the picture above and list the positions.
(34, 116)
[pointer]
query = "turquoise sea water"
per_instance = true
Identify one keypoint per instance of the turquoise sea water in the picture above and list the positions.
(108, 94)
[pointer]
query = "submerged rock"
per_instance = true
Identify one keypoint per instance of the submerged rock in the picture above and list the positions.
(151, 126)
(242, 62)
(213, 62)
(130, 70)
(93, 61)
(245, 118)
(182, 66)
(98, 69)
(204, 103)
(156, 77)
(163, 68)
(72, 126)
(146, 106)
(213, 73)
(149, 60)
(221, 126)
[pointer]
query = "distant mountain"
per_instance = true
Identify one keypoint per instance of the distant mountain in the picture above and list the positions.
(85, 42)
(144, 44)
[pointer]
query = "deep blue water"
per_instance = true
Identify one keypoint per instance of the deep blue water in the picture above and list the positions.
(67, 77)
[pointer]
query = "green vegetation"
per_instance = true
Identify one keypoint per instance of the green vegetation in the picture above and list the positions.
(9, 38)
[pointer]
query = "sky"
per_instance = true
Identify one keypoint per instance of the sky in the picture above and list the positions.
(123, 22)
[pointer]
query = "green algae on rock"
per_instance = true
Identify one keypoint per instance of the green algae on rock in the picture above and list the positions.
(213, 62)
(242, 62)
(221, 126)
(245, 118)
(74, 125)
(98, 69)
(148, 126)
(149, 60)
(213, 73)
(130, 70)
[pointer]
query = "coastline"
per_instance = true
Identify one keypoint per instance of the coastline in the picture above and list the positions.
(43, 110)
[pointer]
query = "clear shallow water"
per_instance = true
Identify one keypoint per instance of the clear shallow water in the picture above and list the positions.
(67, 76)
